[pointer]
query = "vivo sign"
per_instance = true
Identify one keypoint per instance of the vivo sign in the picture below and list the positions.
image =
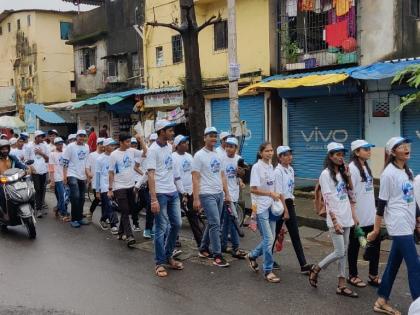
(316, 135)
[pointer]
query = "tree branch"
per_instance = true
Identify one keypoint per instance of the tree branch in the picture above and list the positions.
(211, 21)
(168, 25)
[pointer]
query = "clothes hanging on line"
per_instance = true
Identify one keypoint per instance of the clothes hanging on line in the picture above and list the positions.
(336, 33)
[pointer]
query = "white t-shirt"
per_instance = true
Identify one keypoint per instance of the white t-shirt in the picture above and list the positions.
(398, 191)
(91, 165)
(365, 196)
(40, 165)
(56, 160)
(220, 152)
(417, 189)
(102, 173)
(230, 167)
(142, 160)
(338, 201)
(285, 181)
(19, 154)
(209, 166)
(76, 156)
(159, 158)
(184, 165)
(122, 164)
(137, 159)
(262, 177)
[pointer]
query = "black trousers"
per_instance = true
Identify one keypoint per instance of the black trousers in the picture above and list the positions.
(40, 182)
(94, 203)
(125, 200)
(353, 253)
(193, 219)
(293, 229)
(143, 201)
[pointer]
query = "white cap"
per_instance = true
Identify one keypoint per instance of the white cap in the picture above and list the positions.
(393, 142)
(72, 136)
(210, 130)
(133, 140)
(58, 140)
(39, 133)
(180, 138)
(3, 135)
(54, 131)
(81, 132)
(13, 141)
(153, 137)
(100, 140)
(334, 146)
(109, 141)
(232, 141)
(25, 134)
(283, 149)
(163, 124)
(361, 144)
(224, 135)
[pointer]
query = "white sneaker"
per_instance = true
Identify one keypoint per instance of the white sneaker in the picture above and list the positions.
(114, 230)
(136, 228)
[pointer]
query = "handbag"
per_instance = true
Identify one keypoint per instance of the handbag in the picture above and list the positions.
(277, 208)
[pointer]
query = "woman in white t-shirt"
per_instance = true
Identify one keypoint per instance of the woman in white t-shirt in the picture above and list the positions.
(397, 204)
(335, 183)
(361, 177)
(263, 188)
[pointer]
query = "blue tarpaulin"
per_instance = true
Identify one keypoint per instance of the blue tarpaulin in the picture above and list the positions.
(382, 70)
(39, 111)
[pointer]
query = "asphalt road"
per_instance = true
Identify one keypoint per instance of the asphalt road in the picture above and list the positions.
(87, 271)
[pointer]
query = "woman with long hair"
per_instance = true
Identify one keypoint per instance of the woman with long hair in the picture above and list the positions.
(397, 205)
(361, 177)
(335, 185)
(263, 188)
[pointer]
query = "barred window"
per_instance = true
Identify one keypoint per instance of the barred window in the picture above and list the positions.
(177, 49)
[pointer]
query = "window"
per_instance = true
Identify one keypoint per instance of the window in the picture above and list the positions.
(159, 56)
(73, 86)
(87, 58)
(112, 68)
(1, 30)
(220, 35)
(23, 82)
(12, 82)
(65, 28)
(28, 20)
(176, 49)
(415, 8)
(30, 70)
(9, 27)
(18, 24)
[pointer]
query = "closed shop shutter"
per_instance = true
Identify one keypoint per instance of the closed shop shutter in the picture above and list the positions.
(251, 109)
(314, 122)
(410, 121)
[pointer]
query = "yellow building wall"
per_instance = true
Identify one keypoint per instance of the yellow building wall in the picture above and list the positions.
(253, 43)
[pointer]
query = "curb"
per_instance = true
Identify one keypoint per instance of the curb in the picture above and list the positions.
(312, 223)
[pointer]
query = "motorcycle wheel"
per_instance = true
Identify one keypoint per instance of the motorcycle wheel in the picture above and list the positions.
(30, 227)
(241, 214)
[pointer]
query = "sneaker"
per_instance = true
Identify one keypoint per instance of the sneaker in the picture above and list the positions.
(136, 228)
(176, 253)
(276, 266)
(39, 214)
(122, 237)
(147, 234)
(75, 224)
(306, 269)
(114, 230)
(84, 222)
(104, 226)
(130, 241)
(220, 262)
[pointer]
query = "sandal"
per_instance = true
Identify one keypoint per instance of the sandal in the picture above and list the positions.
(252, 263)
(205, 254)
(385, 309)
(271, 277)
(346, 292)
(161, 271)
(374, 281)
(239, 254)
(175, 264)
(356, 281)
(313, 276)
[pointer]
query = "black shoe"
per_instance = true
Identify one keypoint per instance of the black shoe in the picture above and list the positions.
(219, 261)
(130, 241)
(276, 266)
(306, 269)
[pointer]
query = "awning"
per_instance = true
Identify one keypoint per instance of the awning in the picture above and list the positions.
(62, 106)
(382, 70)
(11, 122)
(40, 111)
(108, 98)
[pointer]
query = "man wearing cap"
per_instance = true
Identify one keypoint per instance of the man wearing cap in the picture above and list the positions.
(52, 134)
(74, 174)
(92, 140)
(90, 171)
(164, 198)
(221, 149)
(56, 178)
(183, 162)
(209, 183)
(101, 186)
(71, 138)
(152, 138)
(39, 152)
(18, 151)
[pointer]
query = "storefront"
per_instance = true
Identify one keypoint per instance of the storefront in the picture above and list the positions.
(410, 125)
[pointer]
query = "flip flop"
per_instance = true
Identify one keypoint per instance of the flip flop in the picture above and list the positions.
(161, 271)
(272, 278)
(344, 291)
(385, 309)
(175, 265)
(356, 282)
(252, 263)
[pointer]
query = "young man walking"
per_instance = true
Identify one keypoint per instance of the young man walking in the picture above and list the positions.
(91, 173)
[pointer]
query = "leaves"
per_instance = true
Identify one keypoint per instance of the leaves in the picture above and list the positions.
(413, 75)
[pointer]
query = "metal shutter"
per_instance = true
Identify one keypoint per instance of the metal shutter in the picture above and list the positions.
(410, 121)
(316, 121)
(251, 109)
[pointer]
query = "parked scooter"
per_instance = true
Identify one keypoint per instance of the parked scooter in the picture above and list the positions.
(18, 204)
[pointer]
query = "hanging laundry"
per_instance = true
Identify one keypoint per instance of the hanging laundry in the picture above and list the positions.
(350, 17)
(291, 8)
(341, 6)
(326, 5)
(336, 33)
(318, 7)
(308, 5)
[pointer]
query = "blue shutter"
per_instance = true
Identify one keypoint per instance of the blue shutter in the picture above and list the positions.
(410, 121)
(316, 121)
(251, 109)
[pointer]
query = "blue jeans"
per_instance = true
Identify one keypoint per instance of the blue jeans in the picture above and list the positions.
(228, 227)
(213, 208)
(77, 197)
(267, 226)
(403, 247)
(108, 212)
(167, 222)
(61, 203)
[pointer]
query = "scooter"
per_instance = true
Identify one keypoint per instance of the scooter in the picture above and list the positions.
(18, 191)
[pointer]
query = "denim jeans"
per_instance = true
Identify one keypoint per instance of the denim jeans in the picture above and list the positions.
(108, 212)
(77, 197)
(266, 223)
(61, 203)
(403, 247)
(167, 222)
(213, 208)
(228, 227)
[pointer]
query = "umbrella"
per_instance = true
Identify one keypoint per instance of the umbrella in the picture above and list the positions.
(11, 122)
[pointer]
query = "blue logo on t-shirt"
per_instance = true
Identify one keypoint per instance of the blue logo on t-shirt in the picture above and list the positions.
(369, 183)
(230, 171)
(186, 166)
(408, 192)
(342, 191)
(168, 162)
(127, 162)
(81, 154)
(291, 185)
(215, 165)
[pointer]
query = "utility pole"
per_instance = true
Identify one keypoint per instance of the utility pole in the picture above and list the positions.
(234, 70)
